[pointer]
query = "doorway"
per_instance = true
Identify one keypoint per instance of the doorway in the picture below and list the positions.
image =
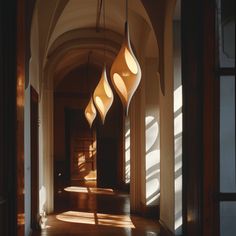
(80, 148)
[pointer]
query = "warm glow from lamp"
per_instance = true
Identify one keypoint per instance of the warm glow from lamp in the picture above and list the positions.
(125, 72)
(90, 112)
(100, 104)
(130, 62)
(108, 90)
(121, 85)
(103, 96)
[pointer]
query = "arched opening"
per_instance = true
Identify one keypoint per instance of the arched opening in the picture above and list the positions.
(59, 56)
(207, 208)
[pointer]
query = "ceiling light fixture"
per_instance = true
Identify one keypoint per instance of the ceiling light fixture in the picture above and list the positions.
(103, 95)
(90, 111)
(125, 71)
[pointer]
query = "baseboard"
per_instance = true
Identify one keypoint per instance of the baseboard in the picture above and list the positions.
(30, 232)
(165, 231)
(150, 211)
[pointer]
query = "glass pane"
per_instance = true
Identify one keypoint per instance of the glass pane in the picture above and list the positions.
(227, 134)
(227, 218)
(226, 18)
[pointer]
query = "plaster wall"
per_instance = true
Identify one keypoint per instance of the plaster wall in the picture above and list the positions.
(178, 129)
(34, 82)
(167, 133)
(137, 150)
(152, 135)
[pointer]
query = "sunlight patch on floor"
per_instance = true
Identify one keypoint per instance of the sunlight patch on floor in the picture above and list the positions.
(89, 190)
(123, 221)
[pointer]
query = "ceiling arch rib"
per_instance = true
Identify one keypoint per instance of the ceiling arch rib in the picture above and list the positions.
(81, 36)
(77, 59)
(80, 14)
(49, 13)
(75, 29)
(71, 49)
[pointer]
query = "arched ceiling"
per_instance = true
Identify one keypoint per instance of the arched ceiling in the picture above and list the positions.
(67, 32)
(79, 14)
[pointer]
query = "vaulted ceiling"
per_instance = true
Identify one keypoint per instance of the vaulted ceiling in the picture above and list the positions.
(67, 30)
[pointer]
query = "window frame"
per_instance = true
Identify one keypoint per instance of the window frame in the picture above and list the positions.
(220, 73)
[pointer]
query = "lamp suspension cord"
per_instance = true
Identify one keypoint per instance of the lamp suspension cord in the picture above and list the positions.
(126, 18)
(126, 13)
(104, 29)
(87, 73)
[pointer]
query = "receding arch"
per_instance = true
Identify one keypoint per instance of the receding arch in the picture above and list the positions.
(52, 51)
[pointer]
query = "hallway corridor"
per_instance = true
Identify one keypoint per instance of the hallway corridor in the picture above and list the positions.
(95, 211)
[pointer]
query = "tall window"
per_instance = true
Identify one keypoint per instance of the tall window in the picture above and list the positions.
(226, 75)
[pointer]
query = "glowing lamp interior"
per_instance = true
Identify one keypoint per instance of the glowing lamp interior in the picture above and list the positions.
(88, 115)
(130, 62)
(93, 108)
(107, 90)
(90, 112)
(120, 85)
(100, 104)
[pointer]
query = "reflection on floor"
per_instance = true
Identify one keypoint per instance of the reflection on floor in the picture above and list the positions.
(94, 211)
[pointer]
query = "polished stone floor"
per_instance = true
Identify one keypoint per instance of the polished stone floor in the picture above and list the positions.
(87, 211)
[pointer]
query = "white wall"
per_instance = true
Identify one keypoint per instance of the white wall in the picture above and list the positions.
(137, 148)
(178, 126)
(152, 135)
(46, 188)
(167, 176)
(33, 81)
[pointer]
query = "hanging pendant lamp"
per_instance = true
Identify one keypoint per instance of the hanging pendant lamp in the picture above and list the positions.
(90, 112)
(125, 71)
(103, 96)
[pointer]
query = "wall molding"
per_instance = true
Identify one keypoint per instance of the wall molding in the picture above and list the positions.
(165, 231)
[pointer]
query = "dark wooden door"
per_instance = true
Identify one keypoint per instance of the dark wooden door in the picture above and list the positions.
(107, 162)
(81, 146)
(34, 157)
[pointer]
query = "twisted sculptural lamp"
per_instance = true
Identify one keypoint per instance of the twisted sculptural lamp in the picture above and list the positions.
(103, 96)
(125, 71)
(90, 112)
